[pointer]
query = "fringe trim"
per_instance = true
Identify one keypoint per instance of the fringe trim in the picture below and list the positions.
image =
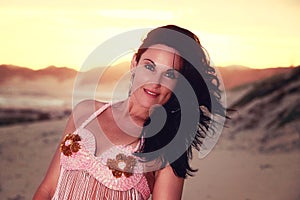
(81, 185)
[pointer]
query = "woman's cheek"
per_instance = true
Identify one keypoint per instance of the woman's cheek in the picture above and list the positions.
(170, 84)
(139, 82)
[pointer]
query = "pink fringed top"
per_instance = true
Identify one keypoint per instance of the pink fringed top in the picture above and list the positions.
(86, 176)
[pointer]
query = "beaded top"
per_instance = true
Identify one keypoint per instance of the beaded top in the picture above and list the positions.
(117, 168)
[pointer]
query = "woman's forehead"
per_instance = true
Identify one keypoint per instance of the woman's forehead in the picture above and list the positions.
(163, 48)
(163, 55)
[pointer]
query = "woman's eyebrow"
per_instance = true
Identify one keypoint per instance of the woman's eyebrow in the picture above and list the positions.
(150, 61)
(173, 69)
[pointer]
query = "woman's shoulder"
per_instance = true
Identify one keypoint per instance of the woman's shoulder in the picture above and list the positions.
(89, 104)
(84, 109)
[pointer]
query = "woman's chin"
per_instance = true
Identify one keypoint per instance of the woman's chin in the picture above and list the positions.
(144, 101)
(148, 104)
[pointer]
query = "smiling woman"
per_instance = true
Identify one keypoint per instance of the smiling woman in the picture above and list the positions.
(142, 145)
(159, 67)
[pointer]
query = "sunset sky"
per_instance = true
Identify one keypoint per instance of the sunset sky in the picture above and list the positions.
(256, 33)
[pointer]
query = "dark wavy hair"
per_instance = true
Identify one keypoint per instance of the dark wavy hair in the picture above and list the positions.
(202, 78)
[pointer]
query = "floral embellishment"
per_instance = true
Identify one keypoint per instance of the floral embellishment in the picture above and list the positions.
(122, 164)
(70, 144)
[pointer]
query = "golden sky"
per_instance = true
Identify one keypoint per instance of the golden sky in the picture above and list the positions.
(256, 33)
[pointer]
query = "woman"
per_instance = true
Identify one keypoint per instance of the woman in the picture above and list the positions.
(134, 148)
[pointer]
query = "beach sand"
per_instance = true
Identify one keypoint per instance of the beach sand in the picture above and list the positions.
(228, 172)
(26, 151)
(237, 174)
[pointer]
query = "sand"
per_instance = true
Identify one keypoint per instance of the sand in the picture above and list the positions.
(228, 172)
(238, 174)
(26, 151)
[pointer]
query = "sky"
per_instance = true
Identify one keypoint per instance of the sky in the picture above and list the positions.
(257, 34)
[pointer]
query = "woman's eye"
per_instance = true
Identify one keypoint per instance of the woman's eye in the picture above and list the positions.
(150, 67)
(170, 74)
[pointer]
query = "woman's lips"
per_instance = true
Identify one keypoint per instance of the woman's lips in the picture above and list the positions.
(151, 93)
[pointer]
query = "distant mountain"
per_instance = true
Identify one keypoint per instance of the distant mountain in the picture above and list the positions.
(7, 72)
(267, 115)
(61, 73)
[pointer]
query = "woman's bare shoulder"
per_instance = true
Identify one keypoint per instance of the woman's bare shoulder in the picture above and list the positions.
(89, 104)
(84, 109)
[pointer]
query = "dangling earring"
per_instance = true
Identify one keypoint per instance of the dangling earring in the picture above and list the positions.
(131, 82)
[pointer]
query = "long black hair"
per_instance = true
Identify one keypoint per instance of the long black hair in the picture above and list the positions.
(204, 83)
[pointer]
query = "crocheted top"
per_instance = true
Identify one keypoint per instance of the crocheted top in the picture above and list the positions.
(86, 176)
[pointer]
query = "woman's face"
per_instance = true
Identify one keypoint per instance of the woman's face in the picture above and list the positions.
(155, 75)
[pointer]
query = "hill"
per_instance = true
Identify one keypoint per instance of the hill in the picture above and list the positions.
(267, 116)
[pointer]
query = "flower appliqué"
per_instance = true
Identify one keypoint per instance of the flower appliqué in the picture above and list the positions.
(70, 144)
(122, 164)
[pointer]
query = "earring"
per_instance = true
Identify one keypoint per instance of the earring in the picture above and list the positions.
(131, 82)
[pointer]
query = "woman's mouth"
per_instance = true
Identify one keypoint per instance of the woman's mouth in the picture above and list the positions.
(151, 93)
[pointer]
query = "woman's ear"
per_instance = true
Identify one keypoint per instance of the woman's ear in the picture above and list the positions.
(133, 64)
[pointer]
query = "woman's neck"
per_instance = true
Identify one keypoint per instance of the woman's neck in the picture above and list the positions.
(133, 111)
(129, 117)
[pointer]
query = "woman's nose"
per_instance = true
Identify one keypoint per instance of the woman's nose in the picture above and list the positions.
(156, 79)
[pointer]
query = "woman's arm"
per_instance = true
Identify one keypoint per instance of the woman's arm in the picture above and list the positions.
(80, 113)
(167, 185)
(47, 187)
